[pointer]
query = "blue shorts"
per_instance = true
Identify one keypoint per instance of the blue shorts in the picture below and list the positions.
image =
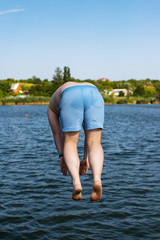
(81, 104)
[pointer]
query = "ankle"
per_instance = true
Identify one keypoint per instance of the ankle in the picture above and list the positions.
(97, 181)
(77, 185)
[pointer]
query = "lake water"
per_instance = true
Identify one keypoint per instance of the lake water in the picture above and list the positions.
(35, 198)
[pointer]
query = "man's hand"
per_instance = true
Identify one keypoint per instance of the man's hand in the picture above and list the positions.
(84, 165)
(63, 166)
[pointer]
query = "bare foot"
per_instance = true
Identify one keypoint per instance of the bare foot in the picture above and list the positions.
(77, 192)
(84, 165)
(96, 192)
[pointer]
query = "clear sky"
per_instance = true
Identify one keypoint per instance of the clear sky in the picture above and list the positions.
(116, 39)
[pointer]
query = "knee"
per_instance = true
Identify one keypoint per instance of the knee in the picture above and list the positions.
(69, 142)
(94, 144)
(71, 138)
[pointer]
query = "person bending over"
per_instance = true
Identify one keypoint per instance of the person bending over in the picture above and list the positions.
(70, 107)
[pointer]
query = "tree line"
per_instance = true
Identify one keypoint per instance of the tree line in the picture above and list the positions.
(37, 87)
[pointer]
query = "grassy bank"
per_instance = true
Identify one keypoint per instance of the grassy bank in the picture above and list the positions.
(39, 100)
(25, 101)
(130, 100)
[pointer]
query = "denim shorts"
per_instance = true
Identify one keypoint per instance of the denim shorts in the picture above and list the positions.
(81, 104)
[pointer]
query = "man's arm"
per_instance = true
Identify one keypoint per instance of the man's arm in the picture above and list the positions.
(53, 119)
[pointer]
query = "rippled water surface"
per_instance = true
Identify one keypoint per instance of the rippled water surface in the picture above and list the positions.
(35, 198)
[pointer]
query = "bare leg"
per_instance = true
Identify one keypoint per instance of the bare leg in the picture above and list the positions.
(96, 157)
(84, 164)
(72, 161)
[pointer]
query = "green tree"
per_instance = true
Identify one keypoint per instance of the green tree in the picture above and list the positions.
(156, 84)
(121, 94)
(139, 91)
(58, 77)
(149, 91)
(115, 84)
(1, 94)
(5, 85)
(36, 80)
(36, 90)
(66, 74)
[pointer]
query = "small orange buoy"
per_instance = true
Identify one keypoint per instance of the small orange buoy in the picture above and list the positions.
(26, 115)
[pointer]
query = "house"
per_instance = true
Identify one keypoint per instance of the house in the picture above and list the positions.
(104, 79)
(16, 88)
(117, 91)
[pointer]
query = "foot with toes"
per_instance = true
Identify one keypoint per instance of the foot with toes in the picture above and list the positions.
(96, 194)
(77, 192)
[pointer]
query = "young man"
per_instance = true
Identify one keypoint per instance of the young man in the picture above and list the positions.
(70, 107)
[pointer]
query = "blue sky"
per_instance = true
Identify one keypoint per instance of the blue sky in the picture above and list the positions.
(116, 39)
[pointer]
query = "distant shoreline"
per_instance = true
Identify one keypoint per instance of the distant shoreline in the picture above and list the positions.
(32, 103)
(46, 103)
(36, 100)
(40, 100)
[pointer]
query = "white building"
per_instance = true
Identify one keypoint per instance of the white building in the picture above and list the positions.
(117, 91)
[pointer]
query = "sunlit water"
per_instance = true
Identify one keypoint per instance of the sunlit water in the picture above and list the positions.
(35, 198)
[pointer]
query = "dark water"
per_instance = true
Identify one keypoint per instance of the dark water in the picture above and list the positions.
(35, 198)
